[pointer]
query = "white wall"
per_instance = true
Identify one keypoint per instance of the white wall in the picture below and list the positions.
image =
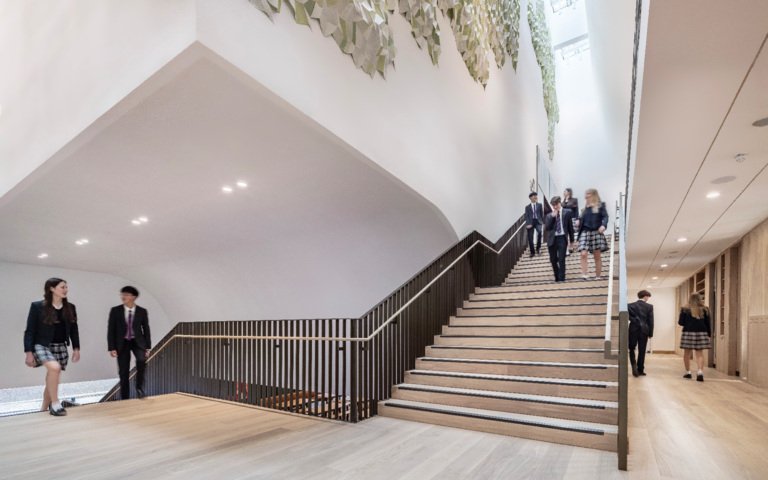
(665, 318)
(92, 293)
(469, 151)
(66, 62)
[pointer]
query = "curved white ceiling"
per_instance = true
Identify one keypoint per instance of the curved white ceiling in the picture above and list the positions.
(319, 231)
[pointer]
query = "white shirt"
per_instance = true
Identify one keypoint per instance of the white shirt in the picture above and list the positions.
(127, 310)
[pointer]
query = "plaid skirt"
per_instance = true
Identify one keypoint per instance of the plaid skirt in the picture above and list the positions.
(592, 240)
(694, 340)
(54, 352)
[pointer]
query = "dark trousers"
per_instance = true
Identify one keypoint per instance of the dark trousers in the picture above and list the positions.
(124, 367)
(557, 256)
(639, 340)
(537, 227)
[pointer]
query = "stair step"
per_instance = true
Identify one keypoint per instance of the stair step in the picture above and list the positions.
(558, 387)
(565, 288)
(581, 371)
(579, 330)
(593, 308)
(526, 320)
(600, 411)
(480, 300)
(571, 432)
(587, 355)
(521, 341)
(570, 280)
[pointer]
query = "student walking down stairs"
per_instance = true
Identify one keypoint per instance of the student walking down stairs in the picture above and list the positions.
(524, 359)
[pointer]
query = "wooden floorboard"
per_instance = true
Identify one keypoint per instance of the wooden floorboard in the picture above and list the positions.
(678, 430)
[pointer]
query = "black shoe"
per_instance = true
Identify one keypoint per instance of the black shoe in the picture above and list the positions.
(688, 376)
(533, 255)
(57, 413)
(699, 378)
(139, 393)
(68, 404)
(635, 373)
(643, 374)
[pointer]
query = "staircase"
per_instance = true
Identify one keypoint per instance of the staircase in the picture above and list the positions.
(524, 359)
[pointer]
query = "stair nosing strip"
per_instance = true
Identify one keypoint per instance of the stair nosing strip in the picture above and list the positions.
(518, 378)
(524, 349)
(530, 363)
(469, 392)
(530, 423)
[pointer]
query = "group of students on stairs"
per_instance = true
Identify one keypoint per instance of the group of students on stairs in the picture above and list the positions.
(564, 227)
(527, 358)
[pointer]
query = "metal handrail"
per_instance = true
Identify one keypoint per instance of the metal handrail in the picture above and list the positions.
(370, 337)
(609, 310)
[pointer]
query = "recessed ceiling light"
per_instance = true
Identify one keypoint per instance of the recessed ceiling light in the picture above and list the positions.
(43, 255)
(649, 286)
(682, 239)
(664, 265)
(135, 221)
(763, 122)
(82, 241)
(654, 278)
(143, 219)
(242, 184)
(226, 189)
(722, 180)
(713, 194)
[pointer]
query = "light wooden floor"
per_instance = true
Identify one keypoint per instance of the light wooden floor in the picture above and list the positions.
(678, 430)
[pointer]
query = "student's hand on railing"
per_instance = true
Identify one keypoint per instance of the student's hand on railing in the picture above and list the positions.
(30, 360)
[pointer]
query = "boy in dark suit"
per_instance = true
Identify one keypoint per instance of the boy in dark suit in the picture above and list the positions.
(558, 229)
(128, 331)
(640, 330)
(534, 213)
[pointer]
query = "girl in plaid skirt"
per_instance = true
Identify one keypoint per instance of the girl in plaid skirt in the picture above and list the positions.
(697, 332)
(51, 325)
(592, 225)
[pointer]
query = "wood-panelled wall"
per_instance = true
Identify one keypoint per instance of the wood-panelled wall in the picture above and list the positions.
(754, 306)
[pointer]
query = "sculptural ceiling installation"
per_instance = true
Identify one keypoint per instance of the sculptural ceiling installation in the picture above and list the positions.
(483, 29)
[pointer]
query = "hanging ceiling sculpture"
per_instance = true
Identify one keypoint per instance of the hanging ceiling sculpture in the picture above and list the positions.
(542, 46)
(482, 29)
(359, 27)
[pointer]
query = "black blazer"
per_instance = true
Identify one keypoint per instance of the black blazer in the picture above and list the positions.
(529, 214)
(116, 328)
(593, 221)
(572, 205)
(39, 333)
(641, 317)
(550, 223)
(693, 324)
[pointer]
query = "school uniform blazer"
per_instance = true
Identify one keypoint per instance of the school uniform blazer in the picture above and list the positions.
(116, 328)
(529, 213)
(591, 221)
(40, 333)
(550, 224)
(641, 317)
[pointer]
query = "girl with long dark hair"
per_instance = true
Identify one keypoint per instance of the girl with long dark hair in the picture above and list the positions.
(51, 325)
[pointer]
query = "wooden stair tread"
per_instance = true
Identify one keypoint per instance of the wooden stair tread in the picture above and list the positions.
(575, 402)
(520, 378)
(597, 366)
(519, 418)
(518, 349)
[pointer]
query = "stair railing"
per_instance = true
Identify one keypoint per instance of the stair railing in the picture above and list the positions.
(335, 368)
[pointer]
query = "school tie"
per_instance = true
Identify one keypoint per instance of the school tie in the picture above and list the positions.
(129, 333)
(559, 226)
